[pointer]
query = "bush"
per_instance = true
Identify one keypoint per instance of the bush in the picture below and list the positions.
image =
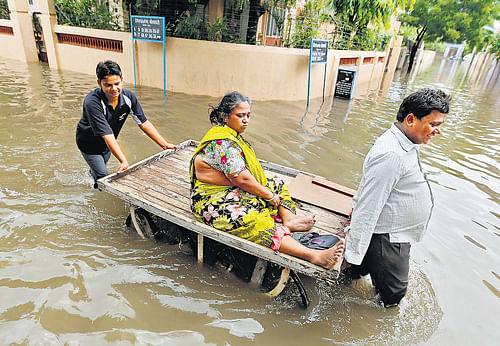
(308, 24)
(188, 26)
(369, 39)
(218, 31)
(4, 10)
(495, 46)
(435, 46)
(85, 13)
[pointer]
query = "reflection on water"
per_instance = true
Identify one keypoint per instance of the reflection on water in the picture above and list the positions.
(70, 271)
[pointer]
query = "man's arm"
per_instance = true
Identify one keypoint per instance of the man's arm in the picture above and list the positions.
(116, 151)
(153, 133)
(380, 175)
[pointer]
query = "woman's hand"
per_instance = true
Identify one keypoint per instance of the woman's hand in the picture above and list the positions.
(246, 181)
(275, 201)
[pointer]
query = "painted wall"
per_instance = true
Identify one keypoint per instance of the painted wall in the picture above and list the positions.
(263, 73)
(84, 60)
(481, 65)
(12, 46)
(426, 60)
(213, 68)
(197, 67)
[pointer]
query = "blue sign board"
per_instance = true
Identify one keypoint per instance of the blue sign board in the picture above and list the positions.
(148, 28)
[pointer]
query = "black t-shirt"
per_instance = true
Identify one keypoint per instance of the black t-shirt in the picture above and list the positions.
(99, 119)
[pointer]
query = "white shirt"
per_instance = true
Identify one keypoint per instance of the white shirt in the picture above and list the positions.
(393, 197)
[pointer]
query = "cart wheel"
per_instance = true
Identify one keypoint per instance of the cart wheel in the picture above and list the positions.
(142, 222)
(301, 288)
(285, 274)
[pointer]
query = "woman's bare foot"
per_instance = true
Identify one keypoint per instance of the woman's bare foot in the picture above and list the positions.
(330, 257)
(300, 223)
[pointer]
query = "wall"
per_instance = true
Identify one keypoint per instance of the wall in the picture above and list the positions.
(12, 46)
(263, 73)
(423, 59)
(481, 66)
(84, 59)
(426, 58)
(200, 67)
(213, 68)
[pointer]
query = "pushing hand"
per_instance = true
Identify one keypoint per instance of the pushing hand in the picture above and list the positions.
(169, 146)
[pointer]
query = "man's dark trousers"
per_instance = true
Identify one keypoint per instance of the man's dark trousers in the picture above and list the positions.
(388, 265)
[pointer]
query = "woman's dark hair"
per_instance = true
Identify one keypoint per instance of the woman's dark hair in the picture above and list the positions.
(228, 103)
(107, 68)
(423, 102)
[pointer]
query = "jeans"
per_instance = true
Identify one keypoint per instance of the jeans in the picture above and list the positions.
(97, 164)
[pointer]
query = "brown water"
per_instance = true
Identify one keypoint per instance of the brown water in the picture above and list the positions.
(71, 272)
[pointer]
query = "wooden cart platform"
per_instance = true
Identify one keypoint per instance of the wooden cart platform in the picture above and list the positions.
(160, 184)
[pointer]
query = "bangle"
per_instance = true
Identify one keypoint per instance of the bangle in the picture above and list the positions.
(270, 199)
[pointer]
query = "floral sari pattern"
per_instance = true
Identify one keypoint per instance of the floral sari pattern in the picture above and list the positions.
(225, 156)
(241, 213)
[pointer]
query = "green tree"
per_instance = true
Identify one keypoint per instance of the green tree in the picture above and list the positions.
(452, 21)
(360, 13)
(85, 13)
(4, 10)
(308, 23)
(495, 46)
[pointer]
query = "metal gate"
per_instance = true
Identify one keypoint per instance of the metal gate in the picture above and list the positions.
(38, 32)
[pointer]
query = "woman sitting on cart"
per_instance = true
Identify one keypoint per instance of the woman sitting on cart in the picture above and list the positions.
(230, 192)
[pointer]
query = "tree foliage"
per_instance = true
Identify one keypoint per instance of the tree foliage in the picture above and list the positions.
(495, 46)
(454, 21)
(369, 39)
(85, 13)
(308, 23)
(4, 10)
(359, 13)
(317, 20)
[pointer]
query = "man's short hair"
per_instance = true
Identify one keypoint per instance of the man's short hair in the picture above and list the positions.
(107, 68)
(423, 102)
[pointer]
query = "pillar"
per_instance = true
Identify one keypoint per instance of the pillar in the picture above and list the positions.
(48, 20)
(446, 51)
(460, 51)
(23, 29)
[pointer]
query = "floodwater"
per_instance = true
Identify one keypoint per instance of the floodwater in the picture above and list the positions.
(72, 273)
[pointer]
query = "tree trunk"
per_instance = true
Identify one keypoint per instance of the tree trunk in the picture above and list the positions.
(415, 46)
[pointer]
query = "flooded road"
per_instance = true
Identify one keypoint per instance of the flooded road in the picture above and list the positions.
(71, 272)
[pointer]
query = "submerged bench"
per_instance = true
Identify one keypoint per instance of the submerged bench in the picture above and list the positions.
(160, 185)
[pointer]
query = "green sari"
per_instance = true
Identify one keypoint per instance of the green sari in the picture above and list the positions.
(230, 209)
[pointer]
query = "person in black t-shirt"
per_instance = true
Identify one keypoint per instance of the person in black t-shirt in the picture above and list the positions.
(105, 110)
